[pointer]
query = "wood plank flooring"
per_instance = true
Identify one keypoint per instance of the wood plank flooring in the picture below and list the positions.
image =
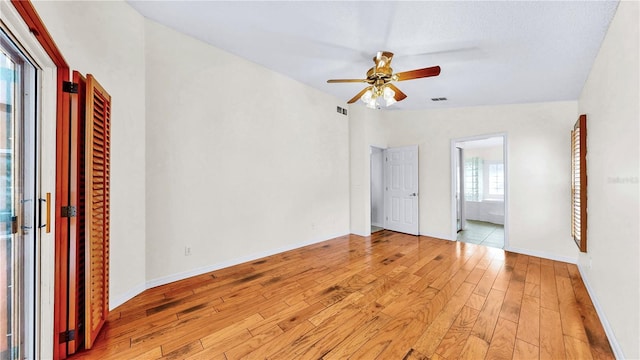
(388, 296)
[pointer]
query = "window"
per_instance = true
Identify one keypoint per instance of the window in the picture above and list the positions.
(483, 179)
(496, 179)
(473, 179)
(579, 183)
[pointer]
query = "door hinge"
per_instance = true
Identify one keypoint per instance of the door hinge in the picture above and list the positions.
(67, 336)
(14, 224)
(70, 87)
(68, 211)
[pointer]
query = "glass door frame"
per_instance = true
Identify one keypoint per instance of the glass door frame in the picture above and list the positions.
(23, 25)
(21, 253)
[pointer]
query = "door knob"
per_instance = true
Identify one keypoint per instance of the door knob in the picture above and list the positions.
(413, 194)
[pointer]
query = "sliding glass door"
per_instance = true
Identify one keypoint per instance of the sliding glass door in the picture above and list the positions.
(17, 201)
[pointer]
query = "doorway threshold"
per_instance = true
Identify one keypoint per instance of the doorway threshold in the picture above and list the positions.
(376, 228)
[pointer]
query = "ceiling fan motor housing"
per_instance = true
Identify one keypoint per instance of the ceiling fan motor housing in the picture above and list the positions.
(382, 69)
(375, 73)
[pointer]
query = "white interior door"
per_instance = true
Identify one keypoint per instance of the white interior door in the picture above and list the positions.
(401, 189)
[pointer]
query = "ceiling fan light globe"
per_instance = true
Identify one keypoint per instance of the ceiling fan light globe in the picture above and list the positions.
(388, 93)
(389, 96)
(372, 104)
(367, 96)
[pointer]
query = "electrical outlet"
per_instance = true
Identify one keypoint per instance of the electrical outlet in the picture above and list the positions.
(187, 251)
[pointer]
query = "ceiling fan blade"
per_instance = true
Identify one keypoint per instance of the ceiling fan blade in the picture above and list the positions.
(418, 73)
(345, 80)
(355, 98)
(399, 95)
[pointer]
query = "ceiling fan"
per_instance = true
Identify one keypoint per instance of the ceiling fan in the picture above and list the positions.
(380, 90)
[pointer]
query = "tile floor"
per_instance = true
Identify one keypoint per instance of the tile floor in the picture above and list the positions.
(483, 233)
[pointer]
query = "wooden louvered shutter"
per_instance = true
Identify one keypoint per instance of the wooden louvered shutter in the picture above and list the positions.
(579, 183)
(97, 185)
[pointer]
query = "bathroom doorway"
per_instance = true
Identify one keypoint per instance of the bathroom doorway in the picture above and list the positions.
(377, 189)
(479, 190)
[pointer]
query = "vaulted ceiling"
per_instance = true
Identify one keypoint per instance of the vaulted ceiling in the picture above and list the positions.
(498, 52)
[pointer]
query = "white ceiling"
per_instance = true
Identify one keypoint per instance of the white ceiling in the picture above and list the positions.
(490, 52)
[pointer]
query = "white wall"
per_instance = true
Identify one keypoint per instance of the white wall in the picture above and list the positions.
(113, 51)
(241, 161)
(538, 149)
(491, 153)
(610, 99)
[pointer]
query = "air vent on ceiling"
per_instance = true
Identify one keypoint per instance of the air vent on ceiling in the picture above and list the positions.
(439, 99)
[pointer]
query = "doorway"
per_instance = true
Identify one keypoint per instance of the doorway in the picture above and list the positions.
(19, 223)
(479, 190)
(459, 189)
(377, 189)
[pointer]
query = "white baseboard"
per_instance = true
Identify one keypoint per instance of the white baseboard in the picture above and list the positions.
(239, 260)
(542, 254)
(615, 346)
(361, 234)
(116, 301)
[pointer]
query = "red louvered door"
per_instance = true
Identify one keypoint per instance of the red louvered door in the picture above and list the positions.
(97, 228)
(87, 303)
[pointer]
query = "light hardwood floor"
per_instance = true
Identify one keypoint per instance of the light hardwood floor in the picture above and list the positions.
(390, 296)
